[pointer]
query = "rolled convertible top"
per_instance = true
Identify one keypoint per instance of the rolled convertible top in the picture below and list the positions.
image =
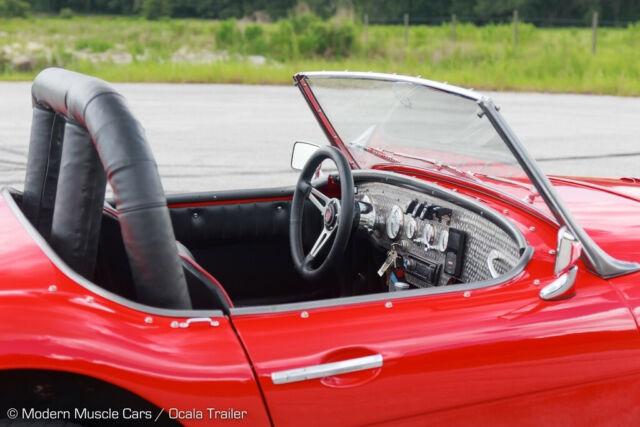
(130, 168)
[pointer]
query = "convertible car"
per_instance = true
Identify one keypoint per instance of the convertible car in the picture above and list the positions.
(422, 270)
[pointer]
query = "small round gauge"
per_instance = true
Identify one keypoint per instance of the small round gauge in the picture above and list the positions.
(410, 227)
(394, 222)
(443, 240)
(428, 234)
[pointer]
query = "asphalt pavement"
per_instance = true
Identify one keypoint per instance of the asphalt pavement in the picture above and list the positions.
(213, 137)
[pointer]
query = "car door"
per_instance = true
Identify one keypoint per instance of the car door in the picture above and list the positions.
(497, 355)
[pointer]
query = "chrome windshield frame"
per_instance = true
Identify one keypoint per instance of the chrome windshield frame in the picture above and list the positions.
(596, 259)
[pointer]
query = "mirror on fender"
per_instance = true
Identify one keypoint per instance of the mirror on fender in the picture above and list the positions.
(301, 153)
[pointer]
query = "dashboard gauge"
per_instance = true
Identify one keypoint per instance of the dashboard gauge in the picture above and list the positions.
(428, 234)
(395, 221)
(443, 239)
(410, 227)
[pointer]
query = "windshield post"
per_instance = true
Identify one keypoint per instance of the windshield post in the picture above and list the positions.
(596, 259)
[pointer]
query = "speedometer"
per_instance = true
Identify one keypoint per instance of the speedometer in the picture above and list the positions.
(395, 220)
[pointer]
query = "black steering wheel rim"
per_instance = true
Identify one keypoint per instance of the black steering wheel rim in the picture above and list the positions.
(337, 215)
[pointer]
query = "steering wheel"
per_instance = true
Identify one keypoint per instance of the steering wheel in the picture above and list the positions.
(337, 215)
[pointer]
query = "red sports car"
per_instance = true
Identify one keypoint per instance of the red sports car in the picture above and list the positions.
(434, 275)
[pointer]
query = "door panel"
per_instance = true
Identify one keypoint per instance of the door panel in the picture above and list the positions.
(242, 239)
(443, 355)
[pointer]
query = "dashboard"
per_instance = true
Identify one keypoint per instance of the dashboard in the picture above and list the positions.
(434, 238)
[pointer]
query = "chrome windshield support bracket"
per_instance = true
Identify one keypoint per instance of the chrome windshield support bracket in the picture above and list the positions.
(597, 260)
(561, 288)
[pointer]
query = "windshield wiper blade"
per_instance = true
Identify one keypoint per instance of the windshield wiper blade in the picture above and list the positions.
(533, 193)
(378, 152)
(438, 164)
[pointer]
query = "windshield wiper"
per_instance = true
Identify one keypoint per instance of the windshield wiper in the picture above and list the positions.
(438, 164)
(378, 152)
(533, 193)
(392, 156)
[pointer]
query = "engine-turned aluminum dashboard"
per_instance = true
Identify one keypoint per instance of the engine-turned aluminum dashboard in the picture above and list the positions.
(441, 238)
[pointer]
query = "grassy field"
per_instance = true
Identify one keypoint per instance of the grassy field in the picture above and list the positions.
(132, 49)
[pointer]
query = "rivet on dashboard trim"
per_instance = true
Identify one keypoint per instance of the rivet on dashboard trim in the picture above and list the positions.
(388, 304)
(304, 314)
(148, 319)
(175, 324)
(532, 228)
(536, 282)
(89, 300)
(53, 288)
(506, 211)
(552, 251)
(466, 294)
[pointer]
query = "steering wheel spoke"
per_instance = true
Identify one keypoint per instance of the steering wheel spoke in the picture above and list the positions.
(318, 199)
(319, 244)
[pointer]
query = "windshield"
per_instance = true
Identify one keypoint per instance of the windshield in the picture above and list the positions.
(397, 121)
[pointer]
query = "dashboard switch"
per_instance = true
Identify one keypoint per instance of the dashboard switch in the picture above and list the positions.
(455, 252)
(408, 210)
(441, 212)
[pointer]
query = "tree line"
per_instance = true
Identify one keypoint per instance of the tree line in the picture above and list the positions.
(543, 11)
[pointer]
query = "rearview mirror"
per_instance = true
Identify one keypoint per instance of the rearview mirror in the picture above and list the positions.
(302, 151)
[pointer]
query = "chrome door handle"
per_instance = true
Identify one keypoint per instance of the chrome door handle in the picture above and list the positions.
(327, 369)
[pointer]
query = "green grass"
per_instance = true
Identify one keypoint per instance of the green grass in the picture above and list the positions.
(135, 50)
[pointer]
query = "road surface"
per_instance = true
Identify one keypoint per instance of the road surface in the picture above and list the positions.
(210, 137)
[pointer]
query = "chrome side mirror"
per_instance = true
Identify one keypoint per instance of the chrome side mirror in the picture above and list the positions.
(302, 151)
(568, 251)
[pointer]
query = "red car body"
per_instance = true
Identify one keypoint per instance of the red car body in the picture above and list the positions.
(498, 355)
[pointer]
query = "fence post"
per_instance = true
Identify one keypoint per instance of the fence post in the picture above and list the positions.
(453, 28)
(406, 29)
(594, 29)
(515, 28)
(366, 27)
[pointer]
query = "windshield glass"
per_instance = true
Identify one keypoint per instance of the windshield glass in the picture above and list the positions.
(389, 121)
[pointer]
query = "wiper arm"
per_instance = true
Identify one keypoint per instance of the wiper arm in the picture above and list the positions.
(438, 164)
(533, 193)
(378, 152)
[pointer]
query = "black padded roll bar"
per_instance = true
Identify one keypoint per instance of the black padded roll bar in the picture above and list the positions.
(121, 146)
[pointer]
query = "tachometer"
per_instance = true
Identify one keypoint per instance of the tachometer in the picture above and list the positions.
(410, 227)
(395, 220)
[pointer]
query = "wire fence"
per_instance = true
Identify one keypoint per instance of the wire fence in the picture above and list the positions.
(408, 20)
(537, 21)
